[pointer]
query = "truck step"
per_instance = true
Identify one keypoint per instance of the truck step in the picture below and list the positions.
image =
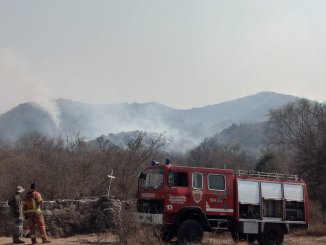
(219, 220)
(219, 228)
(219, 224)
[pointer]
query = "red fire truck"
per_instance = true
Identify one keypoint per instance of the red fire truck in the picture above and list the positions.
(186, 201)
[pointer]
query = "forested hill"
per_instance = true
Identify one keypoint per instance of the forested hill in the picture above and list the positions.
(181, 126)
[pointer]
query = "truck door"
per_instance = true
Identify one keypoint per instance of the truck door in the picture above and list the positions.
(219, 195)
(177, 191)
(197, 193)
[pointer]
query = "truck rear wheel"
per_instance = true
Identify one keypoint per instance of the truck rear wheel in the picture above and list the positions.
(190, 231)
(273, 234)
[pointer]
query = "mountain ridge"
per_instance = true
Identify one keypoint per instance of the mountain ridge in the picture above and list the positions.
(187, 127)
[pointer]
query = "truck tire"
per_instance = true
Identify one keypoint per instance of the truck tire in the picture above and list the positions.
(273, 234)
(166, 237)
(190, 231)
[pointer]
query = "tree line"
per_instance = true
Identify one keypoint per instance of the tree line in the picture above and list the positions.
(72, 168)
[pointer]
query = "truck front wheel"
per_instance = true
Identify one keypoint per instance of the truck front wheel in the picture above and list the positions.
(166, 236)
(273, 234)
(190, 231)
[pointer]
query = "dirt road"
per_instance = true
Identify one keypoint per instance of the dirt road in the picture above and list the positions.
(209, 240)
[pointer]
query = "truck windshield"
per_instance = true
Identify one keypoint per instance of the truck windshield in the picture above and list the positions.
(152, 179)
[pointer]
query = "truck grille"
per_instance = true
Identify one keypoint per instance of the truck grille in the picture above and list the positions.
(150, 206)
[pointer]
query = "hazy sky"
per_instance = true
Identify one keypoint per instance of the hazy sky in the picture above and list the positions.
(182, 53)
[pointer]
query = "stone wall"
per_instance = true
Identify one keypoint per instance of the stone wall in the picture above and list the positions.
(67, 217)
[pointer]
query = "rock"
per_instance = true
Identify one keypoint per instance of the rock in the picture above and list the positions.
(67, 217)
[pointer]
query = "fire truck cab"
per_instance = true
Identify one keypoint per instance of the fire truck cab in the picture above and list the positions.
(186, 201)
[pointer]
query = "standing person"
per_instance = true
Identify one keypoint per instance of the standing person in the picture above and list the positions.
(16, 206)
(32, 210)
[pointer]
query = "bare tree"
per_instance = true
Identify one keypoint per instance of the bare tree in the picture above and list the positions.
(130, 160)
(275, 159)
(72, 167)
(301, 128)
(211, 154)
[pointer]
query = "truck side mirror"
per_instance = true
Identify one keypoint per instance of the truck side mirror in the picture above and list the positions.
(171, 179)
(141, 178)
(141, 175)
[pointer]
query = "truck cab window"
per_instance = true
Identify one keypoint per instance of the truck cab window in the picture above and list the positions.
(178, 179)
(152, 179)
(216, 182)
(197, 181)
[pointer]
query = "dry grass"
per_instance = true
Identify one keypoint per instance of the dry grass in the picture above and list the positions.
(317, 225)
(131, 232)
(218, 239)
(317, 230)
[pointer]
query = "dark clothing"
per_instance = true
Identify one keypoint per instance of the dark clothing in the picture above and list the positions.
(16, 206)
(18, 229)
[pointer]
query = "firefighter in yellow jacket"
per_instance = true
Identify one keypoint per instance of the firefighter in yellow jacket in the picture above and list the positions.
(32, 211)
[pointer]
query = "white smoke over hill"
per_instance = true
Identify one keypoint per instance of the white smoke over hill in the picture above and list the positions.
(21, 83)
(182, 129)
(52, 108)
